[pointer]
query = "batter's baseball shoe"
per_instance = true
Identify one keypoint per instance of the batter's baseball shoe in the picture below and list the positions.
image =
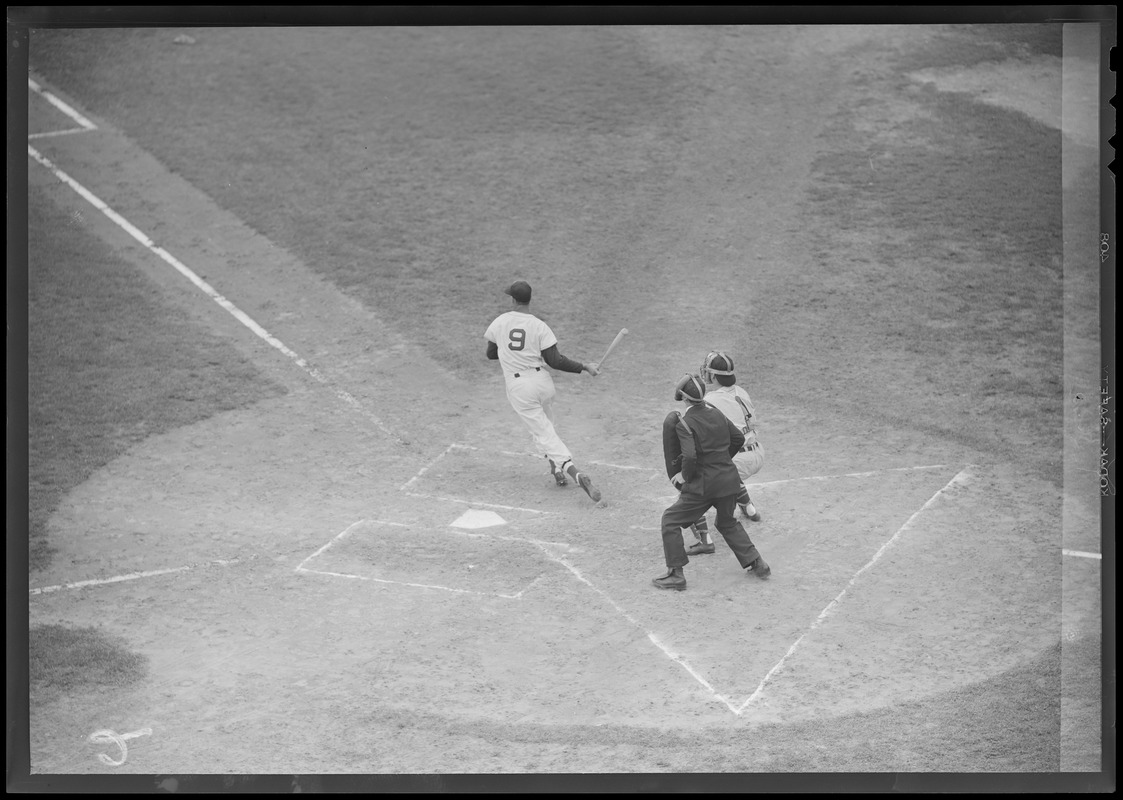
(559, 475)
(750, 512)
(700, 548)
(587, 484)
(672, 580)
(759, 567)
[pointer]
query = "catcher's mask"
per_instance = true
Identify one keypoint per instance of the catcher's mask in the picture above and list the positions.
(690, 387)
(717, 363)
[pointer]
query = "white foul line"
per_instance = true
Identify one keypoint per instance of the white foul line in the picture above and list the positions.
(1082, 554)
(960, 478)
(207, 289)
(678, 659)
(132, 576)
(48, 134)
(61, 106)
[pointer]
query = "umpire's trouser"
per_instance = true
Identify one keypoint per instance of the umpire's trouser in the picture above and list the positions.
(690, 508)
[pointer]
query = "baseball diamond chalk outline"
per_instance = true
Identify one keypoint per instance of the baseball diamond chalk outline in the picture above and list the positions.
(457, 446)
(474, 502)
(211, 292)
(85, 124)
(667, 651)
(468, 534)
(105, 736)
(959, 479)
(132, 576)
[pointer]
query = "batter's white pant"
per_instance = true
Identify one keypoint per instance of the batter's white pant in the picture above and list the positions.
(532, 397)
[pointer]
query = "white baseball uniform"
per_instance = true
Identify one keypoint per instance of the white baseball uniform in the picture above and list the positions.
(520, 338)
(734, 402)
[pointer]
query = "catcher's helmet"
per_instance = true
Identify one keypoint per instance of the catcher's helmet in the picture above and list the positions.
(717, 363)
(690, 387)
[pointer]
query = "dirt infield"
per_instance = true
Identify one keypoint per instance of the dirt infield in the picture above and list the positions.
(373, 574)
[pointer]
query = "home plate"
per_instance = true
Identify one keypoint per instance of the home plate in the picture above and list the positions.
(474, 518)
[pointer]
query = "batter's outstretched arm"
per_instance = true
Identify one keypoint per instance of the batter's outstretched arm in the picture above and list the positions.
(559, 362)
(493, 351)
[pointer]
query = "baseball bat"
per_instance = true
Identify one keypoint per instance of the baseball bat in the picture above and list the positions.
(616, 341)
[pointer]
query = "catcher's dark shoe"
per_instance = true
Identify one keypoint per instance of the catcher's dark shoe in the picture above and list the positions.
(587, 484)
(670, 581)
(759, 567)
(750, 512)
(700, 548)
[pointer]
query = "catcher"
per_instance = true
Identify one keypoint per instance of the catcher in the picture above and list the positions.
(723, 393)
(698, 448)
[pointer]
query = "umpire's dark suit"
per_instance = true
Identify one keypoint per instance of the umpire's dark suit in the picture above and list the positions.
(700, 443)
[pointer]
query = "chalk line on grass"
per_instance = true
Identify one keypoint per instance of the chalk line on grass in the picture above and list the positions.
(960, 478)
(49, 134)
(210, 291)
(85, 124)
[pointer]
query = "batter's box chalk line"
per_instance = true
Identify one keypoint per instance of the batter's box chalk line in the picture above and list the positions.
(544, 546)
(455, 446)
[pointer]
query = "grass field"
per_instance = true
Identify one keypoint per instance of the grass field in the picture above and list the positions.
(892, 272)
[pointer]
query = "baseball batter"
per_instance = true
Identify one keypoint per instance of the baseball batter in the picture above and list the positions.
(723, 393)
(524, 345)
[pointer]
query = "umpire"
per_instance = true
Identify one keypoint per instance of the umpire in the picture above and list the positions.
(698, 447)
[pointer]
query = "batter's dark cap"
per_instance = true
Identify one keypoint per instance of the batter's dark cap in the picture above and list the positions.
(520, 290)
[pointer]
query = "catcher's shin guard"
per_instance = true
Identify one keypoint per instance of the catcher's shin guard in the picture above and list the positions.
(701, 531)
(746, 504)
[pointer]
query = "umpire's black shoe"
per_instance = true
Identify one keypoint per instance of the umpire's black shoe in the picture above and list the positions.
(672, 580)
(759, 567)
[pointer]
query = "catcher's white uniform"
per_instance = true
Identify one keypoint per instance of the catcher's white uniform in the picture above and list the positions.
(734, 402)
(520, 339)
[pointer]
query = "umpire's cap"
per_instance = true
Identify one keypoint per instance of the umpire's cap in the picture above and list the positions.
(690, 388)
(520, 290)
